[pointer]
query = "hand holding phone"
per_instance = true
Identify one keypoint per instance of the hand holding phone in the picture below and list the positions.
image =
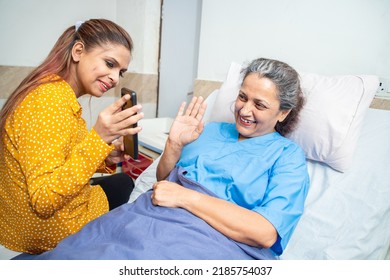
(130, 141)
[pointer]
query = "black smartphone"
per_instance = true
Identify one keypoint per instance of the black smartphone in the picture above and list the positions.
(130, 141)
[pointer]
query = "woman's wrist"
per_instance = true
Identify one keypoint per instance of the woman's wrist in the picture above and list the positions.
(190, 200)
(173, 146)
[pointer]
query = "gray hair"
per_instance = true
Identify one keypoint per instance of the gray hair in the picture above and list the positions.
(287, 82)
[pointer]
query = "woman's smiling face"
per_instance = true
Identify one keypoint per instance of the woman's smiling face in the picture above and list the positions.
(98, 69)
(257, 107)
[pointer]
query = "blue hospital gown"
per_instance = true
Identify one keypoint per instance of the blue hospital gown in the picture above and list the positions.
(267, 174)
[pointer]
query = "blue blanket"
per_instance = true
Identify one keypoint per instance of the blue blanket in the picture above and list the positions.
(142, 231)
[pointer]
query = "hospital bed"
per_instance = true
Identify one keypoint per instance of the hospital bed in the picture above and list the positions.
(347, 144)
(347, 212)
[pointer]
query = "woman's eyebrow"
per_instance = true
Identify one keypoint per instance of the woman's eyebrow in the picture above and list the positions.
(262, 101)
(116, 63)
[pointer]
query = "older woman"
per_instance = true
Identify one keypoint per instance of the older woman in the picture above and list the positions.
(260, 177)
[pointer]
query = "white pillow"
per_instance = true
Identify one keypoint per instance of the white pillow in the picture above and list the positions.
(331, 119)
(223, 108)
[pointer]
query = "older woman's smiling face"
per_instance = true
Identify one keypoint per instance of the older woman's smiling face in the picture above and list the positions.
(257, 107)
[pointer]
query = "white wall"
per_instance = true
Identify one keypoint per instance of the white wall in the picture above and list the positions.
(29, 28)
(179, 53)
(327, 37)
(141, 18)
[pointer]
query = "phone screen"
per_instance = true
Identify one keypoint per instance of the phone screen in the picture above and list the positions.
(130, 141)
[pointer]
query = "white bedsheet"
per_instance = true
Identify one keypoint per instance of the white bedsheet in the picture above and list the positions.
(347, 215)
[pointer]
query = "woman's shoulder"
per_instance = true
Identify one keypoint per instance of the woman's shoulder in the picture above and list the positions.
(57, 93)
(291, 148)
(56, 89)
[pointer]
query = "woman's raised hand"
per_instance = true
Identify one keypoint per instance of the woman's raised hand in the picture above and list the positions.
(113, 123)
(188, 124)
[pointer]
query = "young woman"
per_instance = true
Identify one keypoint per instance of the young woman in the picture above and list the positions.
(47, 155)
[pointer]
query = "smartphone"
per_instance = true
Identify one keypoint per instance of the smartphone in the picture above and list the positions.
(130, 141)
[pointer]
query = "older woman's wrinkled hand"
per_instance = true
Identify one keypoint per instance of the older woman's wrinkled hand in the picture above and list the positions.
(169, 194)
(188, 124)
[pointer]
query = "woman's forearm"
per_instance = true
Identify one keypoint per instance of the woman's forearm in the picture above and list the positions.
(168, 160)
(236, 222)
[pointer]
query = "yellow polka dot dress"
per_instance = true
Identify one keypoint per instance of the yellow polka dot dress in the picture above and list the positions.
(47, 160)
